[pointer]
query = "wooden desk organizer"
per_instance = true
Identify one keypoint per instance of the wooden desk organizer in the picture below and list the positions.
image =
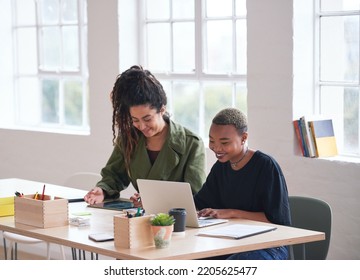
(41, 213)
(132, 232)
(6, 206)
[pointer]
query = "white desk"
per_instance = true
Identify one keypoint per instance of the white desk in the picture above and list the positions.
(189, 246)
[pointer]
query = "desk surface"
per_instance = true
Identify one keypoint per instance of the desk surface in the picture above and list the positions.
(188, 246)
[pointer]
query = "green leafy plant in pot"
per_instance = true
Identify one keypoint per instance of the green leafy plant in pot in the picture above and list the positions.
(162, 225)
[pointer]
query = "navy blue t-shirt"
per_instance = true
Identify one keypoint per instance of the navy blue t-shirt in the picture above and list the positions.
(259, 186)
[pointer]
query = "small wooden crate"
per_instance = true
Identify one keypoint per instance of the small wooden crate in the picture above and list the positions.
(6, 206)
(132, 232)
(41, 213)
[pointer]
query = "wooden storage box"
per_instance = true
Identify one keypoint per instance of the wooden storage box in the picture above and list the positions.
(132, 232)
(6, 206)
(41, 213)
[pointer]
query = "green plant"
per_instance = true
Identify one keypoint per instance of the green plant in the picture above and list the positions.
(162, 219)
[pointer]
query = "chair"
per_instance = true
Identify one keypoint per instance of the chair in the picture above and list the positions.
(82, 180)
(312, 214)
(14, 239)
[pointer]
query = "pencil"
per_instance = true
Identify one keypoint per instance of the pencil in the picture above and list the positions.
(36, 195)
(43, 193)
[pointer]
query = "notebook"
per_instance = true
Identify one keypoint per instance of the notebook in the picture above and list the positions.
(161, 196)
(237, 231)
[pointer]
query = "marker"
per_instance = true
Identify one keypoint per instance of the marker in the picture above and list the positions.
(18, 194)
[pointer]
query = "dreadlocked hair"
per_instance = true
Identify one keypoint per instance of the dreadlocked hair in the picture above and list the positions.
(133, 87)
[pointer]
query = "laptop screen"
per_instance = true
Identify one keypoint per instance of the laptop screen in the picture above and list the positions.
(161, 196)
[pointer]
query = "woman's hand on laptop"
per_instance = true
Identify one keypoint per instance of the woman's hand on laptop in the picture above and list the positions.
(215, 213)
(96, 195)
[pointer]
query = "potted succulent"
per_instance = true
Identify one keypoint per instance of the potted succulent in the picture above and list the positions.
(162, 225)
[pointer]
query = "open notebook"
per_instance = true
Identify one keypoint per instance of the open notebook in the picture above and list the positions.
(161, 196)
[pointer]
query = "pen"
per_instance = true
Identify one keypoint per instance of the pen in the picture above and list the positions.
(43, 193)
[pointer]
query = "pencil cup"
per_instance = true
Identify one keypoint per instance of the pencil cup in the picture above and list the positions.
(180, 220)
(42, 213)
(132, 232)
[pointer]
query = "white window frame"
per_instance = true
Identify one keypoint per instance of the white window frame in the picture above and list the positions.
(57, 74)
(200, 74)
(319, 83)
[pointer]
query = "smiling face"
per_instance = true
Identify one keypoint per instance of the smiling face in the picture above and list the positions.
(226, 143)
(147, 120)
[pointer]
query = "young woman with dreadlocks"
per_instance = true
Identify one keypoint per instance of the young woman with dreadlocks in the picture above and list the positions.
(147, 144)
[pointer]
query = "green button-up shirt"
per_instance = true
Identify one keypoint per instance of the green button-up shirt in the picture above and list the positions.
(182, 159)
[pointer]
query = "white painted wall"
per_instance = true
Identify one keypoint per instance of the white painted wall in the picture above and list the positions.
(274, 82)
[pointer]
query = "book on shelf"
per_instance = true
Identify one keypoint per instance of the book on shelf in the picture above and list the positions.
(308, 139)
(299, 136)
(324, 137)
(316, 137)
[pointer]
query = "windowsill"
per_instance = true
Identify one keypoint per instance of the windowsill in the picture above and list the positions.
(339, 158)
(343, 159)
(50, 130)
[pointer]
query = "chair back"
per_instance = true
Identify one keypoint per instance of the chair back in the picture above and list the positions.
(83, 180)
(312, 214)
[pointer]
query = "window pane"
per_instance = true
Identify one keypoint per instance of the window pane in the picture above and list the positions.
(73, 102)
(27, 51)
(167, 85)
(339, 59)
(159, 47)
(351, 120)
(241, 98)
(184, 47)
(216, 8)
(241, 47)
(50, 101)
(186, 100)
(69, 11)
(216, 98)
(219, 47)
(183, 9)
(51, 48)
(49, 11)
(340, 5)
(71, 48)
(25, 12)
(240, 8)
(157, 9)
(29, 107)
(342, 105)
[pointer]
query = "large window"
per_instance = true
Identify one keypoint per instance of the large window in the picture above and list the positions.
(338, 76)
(49, 77)
(198, 51)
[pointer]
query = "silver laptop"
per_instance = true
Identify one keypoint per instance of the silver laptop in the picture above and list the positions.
(161, 196)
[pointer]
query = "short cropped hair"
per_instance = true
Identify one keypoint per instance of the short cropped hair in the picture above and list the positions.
(232, 116)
